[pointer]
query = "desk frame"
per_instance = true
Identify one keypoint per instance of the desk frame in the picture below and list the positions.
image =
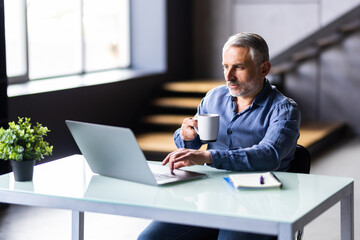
(285, 231)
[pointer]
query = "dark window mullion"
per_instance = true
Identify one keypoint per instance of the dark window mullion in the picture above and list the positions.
(83, 44)
(27, 78)
(23, 78)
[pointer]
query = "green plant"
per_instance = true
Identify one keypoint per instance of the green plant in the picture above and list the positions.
(22, 142)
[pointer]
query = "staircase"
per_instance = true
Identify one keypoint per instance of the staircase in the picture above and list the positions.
(180, 100)
(311, 46)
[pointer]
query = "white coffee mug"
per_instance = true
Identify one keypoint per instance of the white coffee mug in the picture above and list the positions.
(208, 127)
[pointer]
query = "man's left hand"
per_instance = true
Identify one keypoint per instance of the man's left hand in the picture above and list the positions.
(186, 157)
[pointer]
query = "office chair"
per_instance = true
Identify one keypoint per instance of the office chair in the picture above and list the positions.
(300, 164)
(302, 160)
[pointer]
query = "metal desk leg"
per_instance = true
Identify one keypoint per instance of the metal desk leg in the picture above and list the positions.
(77, 232)
(286, 232)
(347, 216)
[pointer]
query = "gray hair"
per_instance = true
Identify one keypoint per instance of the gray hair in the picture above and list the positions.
(259, 50)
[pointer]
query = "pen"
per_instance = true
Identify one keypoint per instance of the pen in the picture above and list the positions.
(275, 176)
(261, 179)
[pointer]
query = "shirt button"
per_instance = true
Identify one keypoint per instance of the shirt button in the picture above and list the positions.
(229, 131)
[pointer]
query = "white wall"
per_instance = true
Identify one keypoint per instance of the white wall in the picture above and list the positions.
(148, 35)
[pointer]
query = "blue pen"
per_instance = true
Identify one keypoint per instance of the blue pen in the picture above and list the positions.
(261, 179)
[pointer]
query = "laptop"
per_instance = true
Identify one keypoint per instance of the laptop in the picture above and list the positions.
(114, 152)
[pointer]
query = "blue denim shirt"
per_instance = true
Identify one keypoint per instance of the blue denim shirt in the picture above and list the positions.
(262, 137)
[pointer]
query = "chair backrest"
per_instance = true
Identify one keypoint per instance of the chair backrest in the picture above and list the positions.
(302, 160)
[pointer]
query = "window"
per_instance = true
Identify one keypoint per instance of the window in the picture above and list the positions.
(15, 38)
(57, 38)
(107, 34)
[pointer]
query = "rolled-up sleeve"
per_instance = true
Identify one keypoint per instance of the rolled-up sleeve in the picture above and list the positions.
(180, 143)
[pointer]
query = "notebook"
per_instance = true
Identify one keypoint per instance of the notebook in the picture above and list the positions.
(254, 180)
(114, 152)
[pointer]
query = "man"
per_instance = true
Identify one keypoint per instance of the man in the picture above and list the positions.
(259, 128)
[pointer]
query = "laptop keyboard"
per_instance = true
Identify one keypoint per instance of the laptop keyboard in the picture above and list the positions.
(162, 176)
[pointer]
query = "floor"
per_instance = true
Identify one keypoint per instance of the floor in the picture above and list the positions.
(19, 223)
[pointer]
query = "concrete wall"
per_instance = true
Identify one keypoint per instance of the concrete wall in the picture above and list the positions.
(328, 88)
(281, 22)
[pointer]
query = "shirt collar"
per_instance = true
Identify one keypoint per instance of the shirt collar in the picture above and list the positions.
(261, 98)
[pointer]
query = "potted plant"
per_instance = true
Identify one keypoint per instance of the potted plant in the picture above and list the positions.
(23, 144)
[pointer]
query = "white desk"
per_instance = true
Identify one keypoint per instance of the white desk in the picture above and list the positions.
(69, 184)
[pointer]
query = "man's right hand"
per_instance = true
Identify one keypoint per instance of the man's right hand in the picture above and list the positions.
(188, 132)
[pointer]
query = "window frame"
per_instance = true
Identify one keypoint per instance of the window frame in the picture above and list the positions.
(146, 62)
(26, 78)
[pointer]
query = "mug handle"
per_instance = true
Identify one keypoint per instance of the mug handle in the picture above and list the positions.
(195, 128)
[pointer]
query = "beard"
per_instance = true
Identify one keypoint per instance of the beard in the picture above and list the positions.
(243, 89)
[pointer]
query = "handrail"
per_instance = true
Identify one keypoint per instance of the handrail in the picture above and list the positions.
(313, 44)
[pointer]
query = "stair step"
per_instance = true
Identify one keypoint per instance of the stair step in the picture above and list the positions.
(157, 142)
(177, 102)
(329, 40)
(310, 135)
(282, 68)
(193, 86)
(161, 142)
(305, 54)
(351, 26)
(317, 135)
(165, 119)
